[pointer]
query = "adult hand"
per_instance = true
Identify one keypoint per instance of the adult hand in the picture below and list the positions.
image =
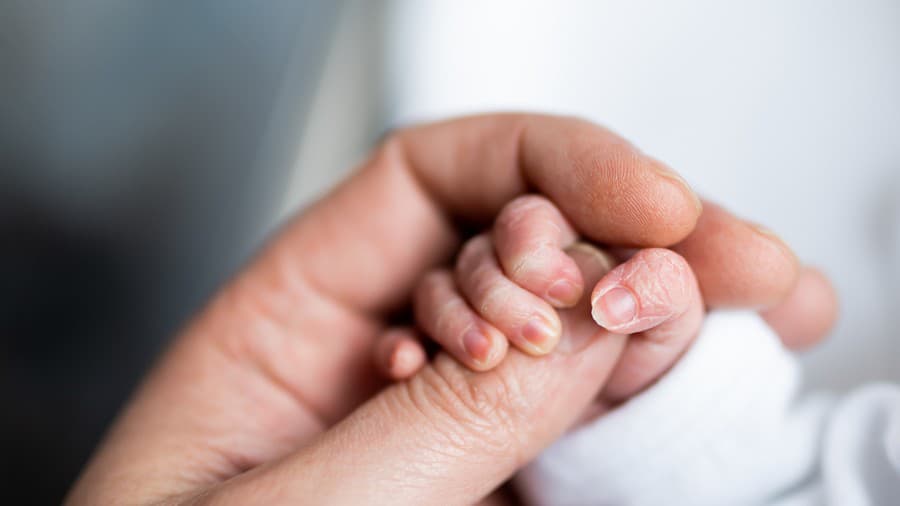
(269, 395)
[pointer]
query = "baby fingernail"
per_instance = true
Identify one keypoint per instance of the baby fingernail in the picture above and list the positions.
(540, 334)
(477, 345)
(562, 293)
(614, 308)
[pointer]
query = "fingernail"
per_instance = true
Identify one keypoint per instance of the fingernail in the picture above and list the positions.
(562, 293)
(769, 234)
(671, 175)
(614, 308)
(540, 334)
(477, 345)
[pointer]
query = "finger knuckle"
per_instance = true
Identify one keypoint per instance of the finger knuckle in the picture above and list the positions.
(482, 413)
(521, 211)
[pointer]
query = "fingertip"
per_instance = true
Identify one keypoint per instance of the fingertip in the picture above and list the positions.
(485, 347)
(652, 287)
(405, 359)
(808, 313)
(540, 335)
(610, 190)
(682, 204)
(398, 354)
(669, 318)
(783, 263)
(529, 236)
(655, 206)
(738, 264)
(568, 287)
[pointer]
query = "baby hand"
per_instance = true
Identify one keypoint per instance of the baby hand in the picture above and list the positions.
(523, 283)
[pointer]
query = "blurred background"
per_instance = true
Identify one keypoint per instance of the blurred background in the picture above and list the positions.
(147, 148)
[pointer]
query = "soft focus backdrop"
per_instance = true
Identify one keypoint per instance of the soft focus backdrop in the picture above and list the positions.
(142, 146)
(146, 148)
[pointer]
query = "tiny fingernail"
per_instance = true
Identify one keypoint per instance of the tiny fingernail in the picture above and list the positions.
(562, 293)
(540, 334)
(614, 308)
(477, 345)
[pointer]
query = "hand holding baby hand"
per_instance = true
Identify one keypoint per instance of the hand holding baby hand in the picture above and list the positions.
(507, 284)
(269, 397)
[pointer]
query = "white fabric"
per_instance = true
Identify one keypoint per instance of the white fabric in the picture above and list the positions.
(724, 426)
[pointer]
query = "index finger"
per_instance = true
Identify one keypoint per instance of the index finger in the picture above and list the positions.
(403, 208)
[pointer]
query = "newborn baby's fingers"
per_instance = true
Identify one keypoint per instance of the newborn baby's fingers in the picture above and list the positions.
(399, 353)
(655, 296)
(529, 235)
(526, 320)
(446, 317)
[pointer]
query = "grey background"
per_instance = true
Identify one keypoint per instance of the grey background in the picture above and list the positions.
(143, 146)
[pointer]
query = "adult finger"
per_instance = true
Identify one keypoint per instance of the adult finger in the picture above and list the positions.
(738, 264)
(403, 207)
(808, 313)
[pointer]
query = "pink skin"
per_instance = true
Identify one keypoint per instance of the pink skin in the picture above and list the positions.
(443, 313)
(529, 322)
(653, 296)
(530, 236)
(399, 353)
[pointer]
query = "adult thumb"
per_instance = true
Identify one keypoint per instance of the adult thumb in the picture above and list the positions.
(448, 435)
